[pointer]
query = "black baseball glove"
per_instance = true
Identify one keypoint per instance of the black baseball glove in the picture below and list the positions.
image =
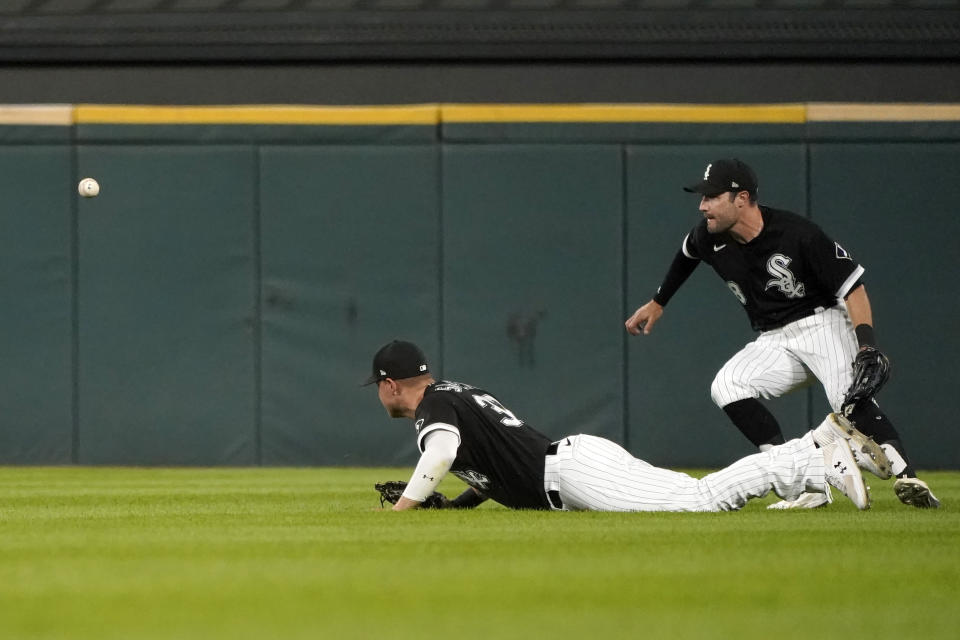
(871, 370)
(391, 492)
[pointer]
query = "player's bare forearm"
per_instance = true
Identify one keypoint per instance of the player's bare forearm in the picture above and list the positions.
(858, 307)
(644, 318)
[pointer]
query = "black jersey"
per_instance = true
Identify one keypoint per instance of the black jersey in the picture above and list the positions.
(499, 455)
(784, 274)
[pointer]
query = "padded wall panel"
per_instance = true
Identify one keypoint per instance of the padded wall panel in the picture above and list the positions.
(166, 306)
(672, 419)
(255, 134)
(350, 262)
(36, 419)
(532, 280)
(894, 207)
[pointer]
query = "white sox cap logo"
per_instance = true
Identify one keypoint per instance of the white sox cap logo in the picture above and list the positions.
(706, 176)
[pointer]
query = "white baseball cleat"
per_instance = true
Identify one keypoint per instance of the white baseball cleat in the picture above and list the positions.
(867, 454)
(806, 500)
(914, 491)
(842, 473)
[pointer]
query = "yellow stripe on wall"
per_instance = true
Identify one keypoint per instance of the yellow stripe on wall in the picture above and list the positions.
(258, 114)
(432, 114)
(739, 113)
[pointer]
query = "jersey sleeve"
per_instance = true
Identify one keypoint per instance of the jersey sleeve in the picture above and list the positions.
(692, 243)
(834, 266)
(435, 413)
(439, 450)
(680, 269)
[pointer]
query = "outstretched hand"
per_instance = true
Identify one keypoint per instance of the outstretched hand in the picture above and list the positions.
(392, 492)
(644, 318)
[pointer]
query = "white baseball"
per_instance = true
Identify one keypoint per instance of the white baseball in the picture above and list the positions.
(88, 188)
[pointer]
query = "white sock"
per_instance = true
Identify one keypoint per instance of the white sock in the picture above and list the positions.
(824, 433)
(897, 462)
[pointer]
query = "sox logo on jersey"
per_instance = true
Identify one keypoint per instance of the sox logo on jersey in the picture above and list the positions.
(783, 278)
(473, 478)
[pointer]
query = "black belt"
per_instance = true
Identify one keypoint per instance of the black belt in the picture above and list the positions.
(552, 449)
(553, 496)
(806, 313)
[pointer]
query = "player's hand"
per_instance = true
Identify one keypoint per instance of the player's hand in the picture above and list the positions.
(644, 318)
(405, 503)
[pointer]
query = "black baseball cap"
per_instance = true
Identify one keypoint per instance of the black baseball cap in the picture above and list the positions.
(728, 174)
(398, 360)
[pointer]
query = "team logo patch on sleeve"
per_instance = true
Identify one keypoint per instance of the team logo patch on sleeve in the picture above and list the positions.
(842, 253)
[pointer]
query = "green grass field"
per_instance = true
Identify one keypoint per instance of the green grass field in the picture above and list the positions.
(302, 553)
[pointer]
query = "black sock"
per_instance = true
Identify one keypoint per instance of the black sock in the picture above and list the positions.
(868, 418)
(755, 422)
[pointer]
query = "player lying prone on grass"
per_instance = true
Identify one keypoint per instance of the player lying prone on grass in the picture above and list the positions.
(467, 431)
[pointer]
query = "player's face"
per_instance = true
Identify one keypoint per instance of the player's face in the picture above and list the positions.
(389, 398)
(721, 212)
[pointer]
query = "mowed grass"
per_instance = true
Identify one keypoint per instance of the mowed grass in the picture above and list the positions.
(105, 553)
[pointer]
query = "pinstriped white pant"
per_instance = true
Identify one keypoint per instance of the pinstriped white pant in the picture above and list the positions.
(821, 346)
(596, 474)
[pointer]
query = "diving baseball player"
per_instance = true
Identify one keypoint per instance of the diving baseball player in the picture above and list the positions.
(467, 431)
(804, 294)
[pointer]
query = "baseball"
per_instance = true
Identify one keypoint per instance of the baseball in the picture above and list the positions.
(88, 188)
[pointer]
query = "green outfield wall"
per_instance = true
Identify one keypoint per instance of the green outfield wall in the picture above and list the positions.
(219, 302)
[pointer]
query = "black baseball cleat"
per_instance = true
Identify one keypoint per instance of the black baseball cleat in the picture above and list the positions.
(915, 492)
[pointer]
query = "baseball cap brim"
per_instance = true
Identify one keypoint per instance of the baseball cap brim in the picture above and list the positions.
(705, 188)
(372, 379)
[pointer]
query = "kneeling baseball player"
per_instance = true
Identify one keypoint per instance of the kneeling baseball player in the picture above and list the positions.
(467, 431)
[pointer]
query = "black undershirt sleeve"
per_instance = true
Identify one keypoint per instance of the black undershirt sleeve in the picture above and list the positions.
(680, 270)
(855, 286)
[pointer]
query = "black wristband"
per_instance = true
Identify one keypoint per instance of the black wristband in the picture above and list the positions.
(865, 335)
